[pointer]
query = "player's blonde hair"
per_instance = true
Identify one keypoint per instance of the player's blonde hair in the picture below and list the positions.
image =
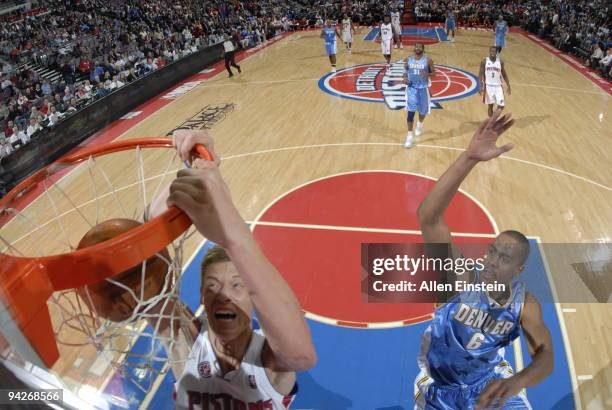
(214, 255)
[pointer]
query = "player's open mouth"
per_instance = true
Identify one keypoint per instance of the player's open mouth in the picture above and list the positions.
(225, 315)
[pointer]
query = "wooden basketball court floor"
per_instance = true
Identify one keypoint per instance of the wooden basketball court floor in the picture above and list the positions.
(307, 166)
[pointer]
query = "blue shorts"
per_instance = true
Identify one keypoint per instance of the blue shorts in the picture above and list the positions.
(500, 41)
(330, 48)
(417, 99)
(450, 25)
(429, 395)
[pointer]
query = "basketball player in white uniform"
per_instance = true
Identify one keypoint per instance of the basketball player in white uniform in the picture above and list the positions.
(397, 28)
(491, 72)
(231, 366)
(347, 32)
(386, 37)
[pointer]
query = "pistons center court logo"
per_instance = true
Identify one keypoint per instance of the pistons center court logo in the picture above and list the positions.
(378, 83)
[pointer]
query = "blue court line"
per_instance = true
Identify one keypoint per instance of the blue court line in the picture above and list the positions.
(441, 33)
(372, 34)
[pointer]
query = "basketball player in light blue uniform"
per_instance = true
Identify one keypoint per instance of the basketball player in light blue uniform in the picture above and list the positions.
(329, 33)
(450, 25)
(501, 28)
(462, 351)
(419, 68)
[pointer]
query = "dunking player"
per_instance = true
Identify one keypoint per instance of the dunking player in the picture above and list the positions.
(386, 37)
(397, 28)
(419, 68)
(231, 365)
(491, 72)
(347, 33)
(462, 352)
(450, 25)
(501, 28)
(329, 33)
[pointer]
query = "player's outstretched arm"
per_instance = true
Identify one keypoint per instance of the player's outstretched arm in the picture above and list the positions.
(482, 147)
(202, 193)
(540, 347)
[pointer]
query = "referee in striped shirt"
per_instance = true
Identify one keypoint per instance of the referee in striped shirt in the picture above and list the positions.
(230, 51)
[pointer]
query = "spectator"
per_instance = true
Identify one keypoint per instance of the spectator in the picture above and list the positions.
(32, 129)
(5, 148)
(595, 57)
(116, 83)
(73, 106)
(8, 130)
(607, 60)
(53, 117)
(3, 111)
(58, 102)
(19, 137)
(46, 88)
(101, 92)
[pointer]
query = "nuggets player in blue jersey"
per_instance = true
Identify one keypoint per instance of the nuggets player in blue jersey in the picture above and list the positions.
(501, 28)
(450, 25)
(329, 33)
(462, 361)
(419, 68)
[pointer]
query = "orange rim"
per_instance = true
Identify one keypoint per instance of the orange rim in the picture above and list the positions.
(27, 283)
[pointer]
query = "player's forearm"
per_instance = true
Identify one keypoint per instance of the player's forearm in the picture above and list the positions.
(540, 367)
(278, 310)
(435, 203)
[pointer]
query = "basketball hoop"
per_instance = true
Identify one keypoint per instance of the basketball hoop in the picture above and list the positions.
(41, 267)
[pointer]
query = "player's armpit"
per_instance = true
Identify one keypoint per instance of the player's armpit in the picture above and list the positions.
(282, 379)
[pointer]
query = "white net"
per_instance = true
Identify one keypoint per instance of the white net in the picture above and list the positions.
(132, 326)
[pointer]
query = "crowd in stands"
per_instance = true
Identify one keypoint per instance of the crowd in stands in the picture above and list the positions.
(98, 46)
(581, 27)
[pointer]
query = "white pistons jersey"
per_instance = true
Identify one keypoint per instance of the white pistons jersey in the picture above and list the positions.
(395, 18)
(347, 35)
(493, 72)
(346, 25)
(386, 32)
(203, 386)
